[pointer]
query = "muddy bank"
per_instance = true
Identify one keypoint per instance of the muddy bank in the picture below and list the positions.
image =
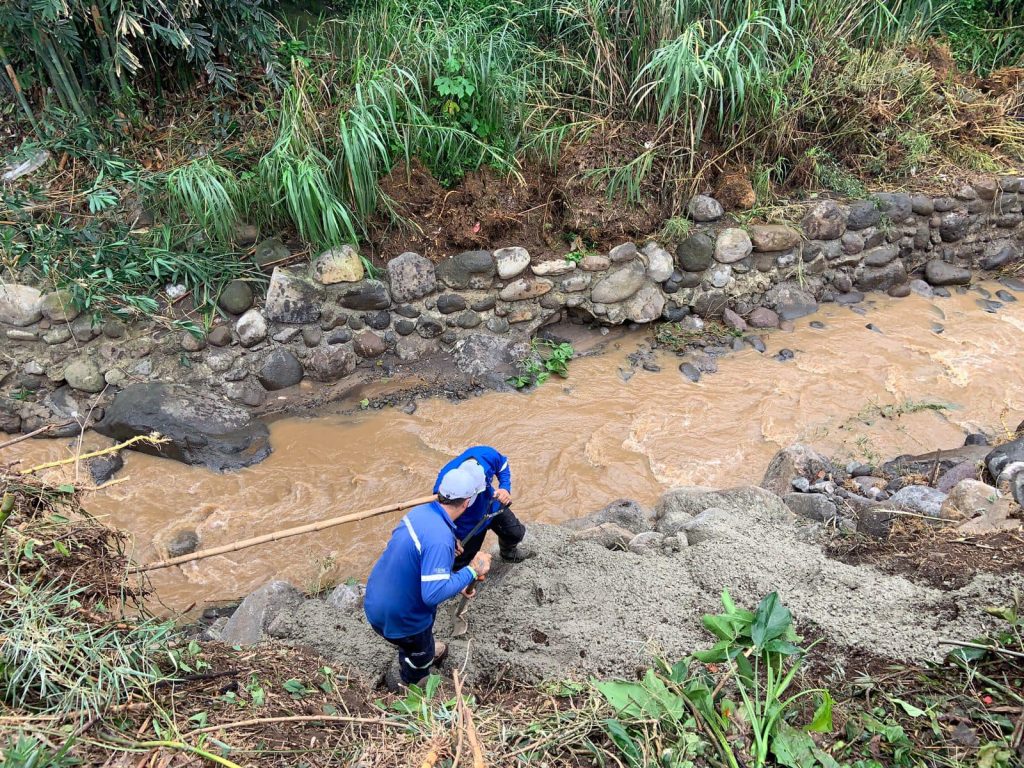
(579, 609)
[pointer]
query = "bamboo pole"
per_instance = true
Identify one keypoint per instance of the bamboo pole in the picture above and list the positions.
(283, 534)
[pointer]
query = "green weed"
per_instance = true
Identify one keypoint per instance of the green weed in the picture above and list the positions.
(546, 358)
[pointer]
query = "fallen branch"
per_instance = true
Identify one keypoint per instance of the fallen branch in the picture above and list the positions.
(33, 433)
(153, 439)
(283, 534)
(298, 719)
(982, 647)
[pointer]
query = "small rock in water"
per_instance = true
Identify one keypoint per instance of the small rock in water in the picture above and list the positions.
(817, 324)
(859, 310)
(982, 291)
(1005, 296)
(185, 542)
(938, 311)
(689, 370)
(874, 328)
(976, 438)
(989, 305)
(801, 484)
(757, 343)
(784, 355)
(1013, 283)
(943, 292)
(650, 365)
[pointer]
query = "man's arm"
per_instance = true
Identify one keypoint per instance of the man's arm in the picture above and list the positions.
(437, 582)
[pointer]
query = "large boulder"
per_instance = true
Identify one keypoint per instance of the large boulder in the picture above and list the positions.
(812, 506)
(366, 295)
(480, 354)
(659, 262)
(58, 307)
(510, 262)
(938, 272)
(20, 305)
(880, 278)
(969, 499)
(621, 284)
(199, 429)
(252, 618)
(607, 535)
(773, 237)
(292, 298)
(797, 460)
(1007, 459)
(934, 462)
(825, 220)
(646, 305)
(411, 276)
(704, 208)
(330, 363)
(696, 253)
(732, 245)
(919, 499)
(625, 513)
(469, 269)
(280, 369)
(338, 265)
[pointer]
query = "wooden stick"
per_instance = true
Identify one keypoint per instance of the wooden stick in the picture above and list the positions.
(980, 647)
(283, 534)
(299, 719)
(153, 439)
(33, 433)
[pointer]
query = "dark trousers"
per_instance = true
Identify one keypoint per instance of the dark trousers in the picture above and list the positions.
(506, 527)
(415, 654)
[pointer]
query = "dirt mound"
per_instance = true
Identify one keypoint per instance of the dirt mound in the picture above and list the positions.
(578, 609)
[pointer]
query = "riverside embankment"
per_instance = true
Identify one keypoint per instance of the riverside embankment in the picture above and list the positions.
(867, 382)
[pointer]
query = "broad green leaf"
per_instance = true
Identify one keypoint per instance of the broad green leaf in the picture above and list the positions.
(627, 699)
(771, 620)
(729, 605)
(717, 653)
(722, 627)
(796, 749)
(909, 708)
(621, 738)
(822, 721)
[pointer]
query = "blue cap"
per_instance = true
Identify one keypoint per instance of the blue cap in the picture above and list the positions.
(457, 484)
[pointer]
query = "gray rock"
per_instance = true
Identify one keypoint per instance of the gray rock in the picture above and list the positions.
(251, 328)
(511, 262)
(347, 598)
(369, 344)
(200, 428)
(403, 326)
(732, 245)
(312, 337)
(622, 252)
(922, 205)
(880, 278)
(852, 243)
(704, 208)
(338, 265)
(621, 284)
(292, 298)
(184, 542)
(896, 205)
(607, 535)
(826, 220)
(811, 506)
(429, 327)
(918, 498)
(57, 335)
(251, 619)
(84, 375)
(763, 317)
(659, 262)
(366, 295)
(20, 334)
(112, 329)
(938, 272)
(449, 303)
(468, 319)
(647, 543)
(734, 321)
(411, 276)
(280, 369)
(236, 297)
(480, 354)
(463, 269)
(953, 227)
(192, 343)
(863, 214)
(270, 251)
(793, 302)
(20, 305)
(245, 392)
(875, 521)
(696, 253)
(646, 305)
(674, 522)
(720, 275)
(998, 459)
(497, 325)
(773, 237)
(880, 256)
(553, 268)
(622, 512)
(690, 371)
(998, 254)
(103, 468)
(525, 288)
(332, 362)
(219, 336)
(594, 262)
(574, 283)
(797, 460)
(58, 307)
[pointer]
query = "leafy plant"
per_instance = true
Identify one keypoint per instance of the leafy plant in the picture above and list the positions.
(546, 358)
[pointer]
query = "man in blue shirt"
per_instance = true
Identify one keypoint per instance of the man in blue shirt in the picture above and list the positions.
(414, 575)
(487, 465)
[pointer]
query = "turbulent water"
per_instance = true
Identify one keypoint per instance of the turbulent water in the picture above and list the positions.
(577, 444)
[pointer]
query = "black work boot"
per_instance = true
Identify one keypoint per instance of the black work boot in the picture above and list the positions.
(516, 554)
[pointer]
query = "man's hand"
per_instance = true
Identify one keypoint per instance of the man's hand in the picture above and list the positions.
(503, 496)
(469, 592)
(481, 564)
(458, 547)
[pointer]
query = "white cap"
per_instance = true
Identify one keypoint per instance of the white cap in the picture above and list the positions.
(457, 484)
(474, 468)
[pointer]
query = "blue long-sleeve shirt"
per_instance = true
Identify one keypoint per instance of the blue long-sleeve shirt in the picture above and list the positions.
(495, 466)
(414, 575)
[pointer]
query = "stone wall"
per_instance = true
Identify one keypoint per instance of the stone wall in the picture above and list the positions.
(328, 320)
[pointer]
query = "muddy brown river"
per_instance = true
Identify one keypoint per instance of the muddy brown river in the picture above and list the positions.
(578, 443)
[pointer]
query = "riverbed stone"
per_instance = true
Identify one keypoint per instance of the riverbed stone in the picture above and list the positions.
(574, 283)
(720, 275)
(292, 298)
(20, 305)
(511, 262)
(659, 262)
(998, 254)
(703, 208)
(236, 298)
(252, 618)
(553, 268)
(347, 598)
(793, 302)
(450, 303)
(954, 226)
(525, 288)
(200, 428)
(645, 305)
(280, 369)
(880, 278)
(84, 375)
(862, 214)
(621, 284)
(773, 237)
(826, 220)
(57, 335)
(251, 328)
(595, 262)
(468, 319)
(941, 273)
(732, 245)
(968, 499)
(896, 206)
(481, 354)
(463, 269)
(919, 499)
(270, 251)
(411, 277)
(338, 265)
(103, 468)
(366, 295)
(811, 506)
(696, 253)
(429, 326)
(192, 343)
(331, 362)
(608, 535)
(623, 252)
(58, 307)
(797, 460)
(369, 344)
(880, 256)
(763, 317)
